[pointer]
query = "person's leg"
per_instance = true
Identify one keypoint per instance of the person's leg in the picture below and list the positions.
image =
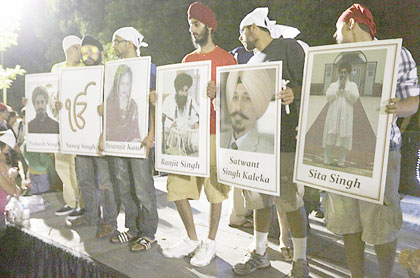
(180, 190)
(184, 210)
(122, 175)
(215, 212)
(34, 184)
(146, 195)
(297, 223)
(355, 248)
(327, 154)
(342, 157)
(108, 202)
(258, 258)
(284, 228)
(262, 224)
(44, 184)
(85, 171)
(386, 257)
(238, 212)
(65, 168)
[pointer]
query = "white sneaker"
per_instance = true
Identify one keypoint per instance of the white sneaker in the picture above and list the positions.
(204, 254)
(183, 248)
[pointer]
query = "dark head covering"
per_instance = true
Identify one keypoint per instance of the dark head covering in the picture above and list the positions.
(182, 80)
(89, 40)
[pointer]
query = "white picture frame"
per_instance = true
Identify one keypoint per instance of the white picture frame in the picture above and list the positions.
(81, 92)
(42, 132)
(347, 154)
(183, 135)
(125, 129)
(254, 162)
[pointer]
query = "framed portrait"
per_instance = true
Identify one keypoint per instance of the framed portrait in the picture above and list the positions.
(183, 119)
(81, 92)
(42, 126)
(126, 106)
(344, 132)
(248, 126)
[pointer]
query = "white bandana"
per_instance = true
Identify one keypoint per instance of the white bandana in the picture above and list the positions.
(259, 17)
(132, 35)
(70, 41)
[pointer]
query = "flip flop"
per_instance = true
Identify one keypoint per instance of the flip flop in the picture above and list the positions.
(122, 237)
(246, 224)
(142, 244)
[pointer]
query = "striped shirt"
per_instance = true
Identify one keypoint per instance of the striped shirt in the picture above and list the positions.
(407, 86)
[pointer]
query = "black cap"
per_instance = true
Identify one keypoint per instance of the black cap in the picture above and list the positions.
(89, 40)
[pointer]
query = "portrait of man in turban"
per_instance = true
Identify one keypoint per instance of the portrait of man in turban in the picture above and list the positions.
(180, 119)
(42, 123)
(122, 122)
(248, 94)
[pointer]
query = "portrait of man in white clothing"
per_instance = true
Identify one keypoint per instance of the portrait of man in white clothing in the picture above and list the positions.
(338, 128)
(343, 114)
(180, 119)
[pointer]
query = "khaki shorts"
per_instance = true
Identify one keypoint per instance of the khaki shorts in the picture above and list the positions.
(291, 194)
(379, 224)
(182, 187)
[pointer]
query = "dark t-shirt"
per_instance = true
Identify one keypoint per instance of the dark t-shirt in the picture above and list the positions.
(46, 126)
(291, 53)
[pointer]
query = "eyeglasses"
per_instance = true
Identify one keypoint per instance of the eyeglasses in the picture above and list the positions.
(115, 42)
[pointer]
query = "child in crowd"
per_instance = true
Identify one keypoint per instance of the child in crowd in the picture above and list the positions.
(39, 165)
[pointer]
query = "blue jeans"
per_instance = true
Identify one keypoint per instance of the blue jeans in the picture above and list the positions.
(142, 205)
(93, 175)
(39, 183)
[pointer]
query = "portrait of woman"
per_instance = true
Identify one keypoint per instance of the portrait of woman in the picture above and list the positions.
(122, 123)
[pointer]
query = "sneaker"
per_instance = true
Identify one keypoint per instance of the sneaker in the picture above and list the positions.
(252, 262)
(78, 222)
(181, 249)
(76, 213)
(204, 253)
(66, 210)
(300, 269)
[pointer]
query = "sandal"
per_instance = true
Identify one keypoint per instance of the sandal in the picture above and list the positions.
(142, 244)
(122, 237)
(246, 224)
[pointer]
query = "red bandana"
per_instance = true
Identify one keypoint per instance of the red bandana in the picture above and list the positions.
(360, 14)
(203, 14)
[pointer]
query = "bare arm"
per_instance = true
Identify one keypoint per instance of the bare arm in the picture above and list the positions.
(8, 185)
(403, 107)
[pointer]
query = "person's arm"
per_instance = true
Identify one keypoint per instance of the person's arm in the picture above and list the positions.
(331, 93)
(149, 140)
(352, 93)
(405, 123)
(403, 107)
(7, 184)
(295, 63)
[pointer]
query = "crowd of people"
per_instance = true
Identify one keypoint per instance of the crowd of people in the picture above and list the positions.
(107, 182)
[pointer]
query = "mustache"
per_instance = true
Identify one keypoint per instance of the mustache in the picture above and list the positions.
(236, 113)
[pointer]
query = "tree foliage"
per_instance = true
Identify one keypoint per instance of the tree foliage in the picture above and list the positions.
(165, 28)
(9, 27)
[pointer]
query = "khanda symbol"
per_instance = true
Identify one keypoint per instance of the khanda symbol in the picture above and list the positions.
(78, 116)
